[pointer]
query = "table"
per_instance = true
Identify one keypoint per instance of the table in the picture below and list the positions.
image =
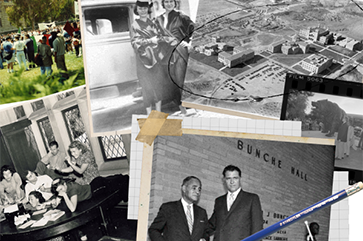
(96, 207)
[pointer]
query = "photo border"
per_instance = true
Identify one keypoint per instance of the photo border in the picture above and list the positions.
(147, 157)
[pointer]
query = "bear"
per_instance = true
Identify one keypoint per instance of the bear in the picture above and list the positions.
(329, 113)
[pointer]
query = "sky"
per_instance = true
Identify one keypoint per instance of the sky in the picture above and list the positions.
(348, 104)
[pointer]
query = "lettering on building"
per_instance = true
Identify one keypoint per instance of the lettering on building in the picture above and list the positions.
(266, 157)
(298, 173)
(257, 153)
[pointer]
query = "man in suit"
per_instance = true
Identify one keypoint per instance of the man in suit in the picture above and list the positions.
(237, 214)
(182, 220)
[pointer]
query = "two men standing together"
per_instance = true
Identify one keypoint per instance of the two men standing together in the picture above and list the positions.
(237, 214)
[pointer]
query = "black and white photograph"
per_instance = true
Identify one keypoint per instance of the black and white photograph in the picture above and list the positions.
(268, 96)
(57, 181)
(134, 50)
(273, 180)
(242, 51)
(328, 109)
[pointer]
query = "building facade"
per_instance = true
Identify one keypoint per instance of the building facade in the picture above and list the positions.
(239, 56)
(5, 25)
(316, 63)
(313, 33)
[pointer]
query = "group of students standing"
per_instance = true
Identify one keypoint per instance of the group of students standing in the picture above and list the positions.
(162, 47)
(19, 48)
(55, 42)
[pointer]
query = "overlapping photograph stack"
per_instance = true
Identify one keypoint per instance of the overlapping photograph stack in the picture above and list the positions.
(186, 102)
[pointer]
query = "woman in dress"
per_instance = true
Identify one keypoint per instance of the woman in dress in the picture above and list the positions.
(145, 39)
(81, 162)
(71, 192)
(178, 25)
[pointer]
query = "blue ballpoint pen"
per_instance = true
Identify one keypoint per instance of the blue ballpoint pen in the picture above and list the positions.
(306, 212)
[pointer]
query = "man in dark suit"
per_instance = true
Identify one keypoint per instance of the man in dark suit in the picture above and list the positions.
(182, 220)
(237, 214)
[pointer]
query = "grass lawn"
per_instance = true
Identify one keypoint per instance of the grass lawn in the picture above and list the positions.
(208, 60)
(342, 50)
(333, 55)
(25, 85)
(289, 60)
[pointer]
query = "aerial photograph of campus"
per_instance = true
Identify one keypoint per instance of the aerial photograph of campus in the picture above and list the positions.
(243, 49)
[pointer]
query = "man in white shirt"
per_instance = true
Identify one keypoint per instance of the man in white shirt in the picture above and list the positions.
(20, 55)
(237, 214)
(41, 184)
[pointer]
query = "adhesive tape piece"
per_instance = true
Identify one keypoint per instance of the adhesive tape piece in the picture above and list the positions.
(171, 127)
(157, 124)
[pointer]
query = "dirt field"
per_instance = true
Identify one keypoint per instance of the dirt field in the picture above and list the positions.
(207, 6)
(335, 19)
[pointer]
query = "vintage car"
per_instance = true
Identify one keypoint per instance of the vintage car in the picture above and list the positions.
(109, 57)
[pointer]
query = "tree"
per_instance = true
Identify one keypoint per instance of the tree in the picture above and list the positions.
(37, 11)
(296, 105)
(61, 9)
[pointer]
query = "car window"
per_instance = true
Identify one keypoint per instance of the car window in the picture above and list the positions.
(107, 20)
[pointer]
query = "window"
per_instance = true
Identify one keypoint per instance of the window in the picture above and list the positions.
(76, 130)
(63, 95)
(112, 147)
(107, 20)
(37, 105)
(19, 112)
(46, 131)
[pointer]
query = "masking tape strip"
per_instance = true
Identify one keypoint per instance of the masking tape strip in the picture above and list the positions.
(157, 124)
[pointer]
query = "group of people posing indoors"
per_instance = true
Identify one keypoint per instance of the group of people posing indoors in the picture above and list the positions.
(162, 46)
(59, 181)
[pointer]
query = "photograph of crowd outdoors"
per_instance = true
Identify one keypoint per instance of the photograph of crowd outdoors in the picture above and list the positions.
(144, 46)
(41, 54)
(330, 116)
